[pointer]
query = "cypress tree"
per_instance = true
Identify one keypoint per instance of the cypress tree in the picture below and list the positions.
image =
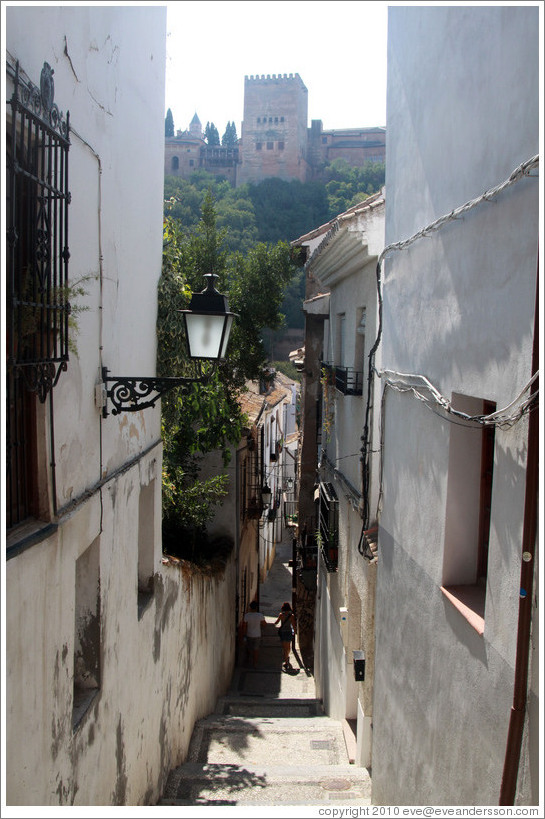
(169, 124)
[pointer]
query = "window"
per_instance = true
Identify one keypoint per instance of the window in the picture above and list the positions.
(37, 307)
(329, 526)
(250, 490)
(258, 146)
(276, 119)
(281, 119)
(270, 146)
(175, 163)
(258, 120)
(280, 146)
(468, 510)
(191, 163)
(87, 631)
(359, 357)
(324, 140)
(340, 340)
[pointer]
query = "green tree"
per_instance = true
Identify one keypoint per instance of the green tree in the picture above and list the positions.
(211, 134)
(208, 417)
(169, 124)
(230, 139)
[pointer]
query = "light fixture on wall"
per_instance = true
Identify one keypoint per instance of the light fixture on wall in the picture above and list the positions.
(207, 324)
(289, 484)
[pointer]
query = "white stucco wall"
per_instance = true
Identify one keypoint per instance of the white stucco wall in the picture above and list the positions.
(459, 309)
(347, 267)
(162, 665)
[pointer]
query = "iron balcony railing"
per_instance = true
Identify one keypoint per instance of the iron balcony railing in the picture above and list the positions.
(345, 379)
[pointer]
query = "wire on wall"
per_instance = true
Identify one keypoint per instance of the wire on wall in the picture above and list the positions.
(418, 385)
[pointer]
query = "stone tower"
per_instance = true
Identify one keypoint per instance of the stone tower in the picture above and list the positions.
(195, 127)
(274, 130)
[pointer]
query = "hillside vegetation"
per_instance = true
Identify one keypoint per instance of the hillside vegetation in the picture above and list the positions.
(272, 211)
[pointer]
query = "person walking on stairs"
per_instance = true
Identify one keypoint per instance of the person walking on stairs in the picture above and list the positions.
(286, 632)
(252, 629)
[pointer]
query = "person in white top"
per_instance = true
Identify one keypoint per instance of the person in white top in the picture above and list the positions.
(252, 628)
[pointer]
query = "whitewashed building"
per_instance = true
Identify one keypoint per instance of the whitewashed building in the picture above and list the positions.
(344, 265)
(457, 586)
(111, 654)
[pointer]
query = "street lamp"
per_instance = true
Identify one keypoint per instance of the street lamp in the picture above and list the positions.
(207, 324)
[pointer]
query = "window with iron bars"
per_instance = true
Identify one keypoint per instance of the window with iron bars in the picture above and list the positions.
(37, 307)
(251, 505)
(328, 532)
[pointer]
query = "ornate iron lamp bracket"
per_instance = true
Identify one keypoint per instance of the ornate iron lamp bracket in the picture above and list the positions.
(134, 393)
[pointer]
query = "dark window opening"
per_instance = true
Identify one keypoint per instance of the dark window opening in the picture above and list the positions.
(175, 163)
(37, 307)
(270, 146)
(487, 471)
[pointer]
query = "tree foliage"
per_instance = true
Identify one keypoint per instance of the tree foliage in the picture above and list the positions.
(169, 124)
(208, 417)
(273, 210)
(286, 210)
(211, 134)
(347, 185)
(230, 139)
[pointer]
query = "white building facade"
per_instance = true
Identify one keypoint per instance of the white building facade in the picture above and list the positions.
(458, 344)
(107, 646)
(345, 265)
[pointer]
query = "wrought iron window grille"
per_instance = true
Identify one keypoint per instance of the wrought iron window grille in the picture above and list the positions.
(37, 306)
(328, 531)
(37, 234)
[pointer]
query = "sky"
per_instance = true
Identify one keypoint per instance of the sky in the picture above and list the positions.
(337, 48)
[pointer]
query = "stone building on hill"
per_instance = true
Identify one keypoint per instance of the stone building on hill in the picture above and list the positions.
(275, 139)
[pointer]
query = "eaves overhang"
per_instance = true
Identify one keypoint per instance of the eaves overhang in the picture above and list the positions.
(317, 306)
(345, 247)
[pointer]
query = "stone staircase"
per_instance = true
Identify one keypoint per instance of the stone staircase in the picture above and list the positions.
(268, 743)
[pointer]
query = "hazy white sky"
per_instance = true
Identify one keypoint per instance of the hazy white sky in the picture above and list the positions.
(337, 48)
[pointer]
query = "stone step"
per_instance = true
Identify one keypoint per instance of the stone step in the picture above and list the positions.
(251, 706)
(285, 784)
(270, 684)
(269, 723)
(268, 741)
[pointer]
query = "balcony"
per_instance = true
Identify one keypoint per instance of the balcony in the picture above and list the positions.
(345, 379)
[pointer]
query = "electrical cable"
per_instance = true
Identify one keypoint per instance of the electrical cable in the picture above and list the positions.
(499, 418)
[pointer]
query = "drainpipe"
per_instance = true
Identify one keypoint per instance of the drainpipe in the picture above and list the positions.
(529, 535)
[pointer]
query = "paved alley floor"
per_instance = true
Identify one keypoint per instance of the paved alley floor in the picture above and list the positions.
(268, 741)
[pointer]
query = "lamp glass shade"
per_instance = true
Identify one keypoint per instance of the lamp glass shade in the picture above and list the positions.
(206, 336)
(227, 333)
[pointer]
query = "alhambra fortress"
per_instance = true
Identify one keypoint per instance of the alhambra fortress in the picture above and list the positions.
(275, 139)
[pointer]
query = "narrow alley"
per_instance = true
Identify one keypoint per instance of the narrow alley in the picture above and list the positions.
(268, 741)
